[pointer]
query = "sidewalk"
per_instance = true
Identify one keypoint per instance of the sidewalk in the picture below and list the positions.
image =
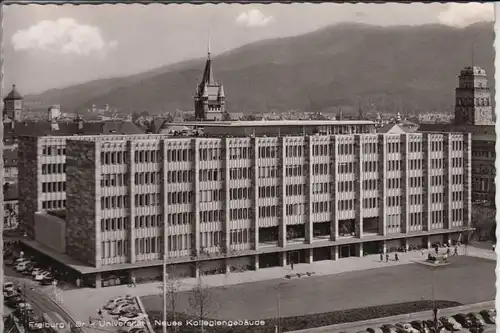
(82, 303)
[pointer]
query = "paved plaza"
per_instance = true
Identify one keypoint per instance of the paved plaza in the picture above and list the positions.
(82, 303)
(466, 280)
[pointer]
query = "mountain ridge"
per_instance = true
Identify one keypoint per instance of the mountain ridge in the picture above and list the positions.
(413, 68)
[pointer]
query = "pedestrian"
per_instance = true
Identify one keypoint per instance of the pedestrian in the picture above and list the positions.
(133, 281)
(381, 257)
(448, 251)
(437, 249)
(291, 265)
(455, 253)
(396, 257)
(91, 321)
(387, 257)
(494, 245)
(99, 312)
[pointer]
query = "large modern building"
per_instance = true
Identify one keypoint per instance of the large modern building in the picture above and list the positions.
(247, 195)
(474, 114)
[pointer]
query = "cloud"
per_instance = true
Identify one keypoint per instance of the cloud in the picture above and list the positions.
(462, 15)
(64, 36)
(254, 18)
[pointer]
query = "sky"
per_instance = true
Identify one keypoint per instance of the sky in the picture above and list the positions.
(51, 46)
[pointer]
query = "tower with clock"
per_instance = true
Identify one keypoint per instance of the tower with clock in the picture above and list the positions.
(473, 98)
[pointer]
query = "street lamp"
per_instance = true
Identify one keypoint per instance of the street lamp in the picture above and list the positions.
(164, 326)
(278, 299)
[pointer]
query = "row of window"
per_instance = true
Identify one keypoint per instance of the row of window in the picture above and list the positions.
(268, 172)
(181, 218)
(210, 195)
(147, 156)
(295, 170)
(147, 178)
(116, 201)
(180, 176)
(415, 164)
(179, 155)
(295, 209)
(239, 236)
(416, 218)
(296, 151)
(271, 191)
(114, 179)
(116, 248)
(236, 153)
(457, 215)
(148, 221)
(53, 204)
(53, 168)
(185, 197)
(240, 193)
(147, 245)
(321, 169)
(208, 216)
(240, 173)
(268, 152)
(240, 214)
(115, 157)
(53, 187)
(457, 196)
(210, 154)
(115, 223)
(370, 166)
(209, 175)
(437, 163)
(457, 162)
(53, 150)
(437, 180)
(371, 184)
(346, 186)
(469, 101)
(320, 188)
(416, 199)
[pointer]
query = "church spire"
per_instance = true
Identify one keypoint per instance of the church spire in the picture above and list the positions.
(208, 74)
(208, 46)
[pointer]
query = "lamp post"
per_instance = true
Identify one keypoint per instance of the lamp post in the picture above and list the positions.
(278, 300)
(164, 326)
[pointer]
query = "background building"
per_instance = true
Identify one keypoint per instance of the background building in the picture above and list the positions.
(249, 195)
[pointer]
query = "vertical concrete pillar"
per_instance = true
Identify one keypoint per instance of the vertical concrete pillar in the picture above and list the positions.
(309, 234)
(426, 188)
(226, 223)
(384, 246)
(283, 258)
(310, 256)
(131, 193)
(255, 194)
(164, 191)
(98, 280)
(382, 183)
(448, 180)
(334, 223)
(358, 185)
(361, 252)
(405, 189)
(282, 197)
(428, 242)
(467, 185)
(195, 233)
(227, 266)
(256, 262)
(334, 253)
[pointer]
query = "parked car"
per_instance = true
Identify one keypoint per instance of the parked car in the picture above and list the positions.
(47, 281)
(124, 308)
(389, 328)
(133, 318)
(419, 325)
(9, 293)
(14, 301)
(22, 266)
(23, 309)
(450, 323)
(8, 286)
(36, 270)
(463, 320)
(476, 329)
(488, 316)
(42, 275)
(407, 328)
(114, 302)
(476, 318)
(374, 330)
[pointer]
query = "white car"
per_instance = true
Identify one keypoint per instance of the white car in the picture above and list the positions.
(8, 286)
(116, 301)
(133, 318)
(407, 328)
(36, 270)
(123, 308)
(42, 275)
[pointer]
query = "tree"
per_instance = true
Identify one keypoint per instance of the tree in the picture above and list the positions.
(226, 116)
(173, 286)
(483, 219)
(201, 303)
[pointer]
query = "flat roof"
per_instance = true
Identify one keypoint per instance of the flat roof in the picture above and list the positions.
(269, 123)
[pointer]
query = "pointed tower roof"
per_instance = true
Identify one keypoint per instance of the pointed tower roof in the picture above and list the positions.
(221, 91)
(208, 74)
(13, 95)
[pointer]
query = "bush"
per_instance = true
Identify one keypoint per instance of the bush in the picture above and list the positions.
(319, 319)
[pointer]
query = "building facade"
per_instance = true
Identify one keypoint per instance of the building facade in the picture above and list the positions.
(474, 114)
(211, 204)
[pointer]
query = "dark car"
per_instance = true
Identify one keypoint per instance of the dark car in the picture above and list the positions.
(476, 319)
(389, 328)
(463, 320)
(488, 316)
(419, 325)
(476, 329)
(374, 330)
(13, 301)
(450, 323)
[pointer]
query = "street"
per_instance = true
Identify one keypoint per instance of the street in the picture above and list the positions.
(362, 326)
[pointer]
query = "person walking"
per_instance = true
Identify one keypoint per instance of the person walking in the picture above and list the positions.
(437, 249)
(381, 257)
(291, 265)
(396, 257)
(494, 246)
(455, 253)
(447, 251)
(387, 257)
(133, 282)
